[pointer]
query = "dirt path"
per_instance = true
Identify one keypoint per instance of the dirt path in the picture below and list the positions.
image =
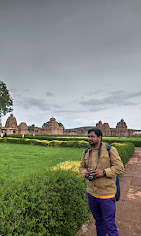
(128, 214)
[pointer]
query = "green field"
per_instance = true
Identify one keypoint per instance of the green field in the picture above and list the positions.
(18, 160)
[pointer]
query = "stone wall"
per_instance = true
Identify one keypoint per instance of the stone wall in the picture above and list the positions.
(82, 132)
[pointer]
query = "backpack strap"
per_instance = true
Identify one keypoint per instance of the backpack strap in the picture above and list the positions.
(86, 150)
(108, 147)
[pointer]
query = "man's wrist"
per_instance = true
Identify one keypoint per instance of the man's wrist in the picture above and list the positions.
(104, 172)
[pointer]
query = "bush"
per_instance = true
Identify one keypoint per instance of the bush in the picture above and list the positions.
(125, 150)
(135, 140)
(68, 165)
(53, 143)
(51, 137)
(54, 203)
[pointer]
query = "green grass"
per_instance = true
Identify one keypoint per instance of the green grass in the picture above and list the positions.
(19, 160)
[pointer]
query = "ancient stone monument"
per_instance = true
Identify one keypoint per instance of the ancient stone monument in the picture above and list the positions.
(23, 128)
(52, 127)
(121, 129)
(10, 125)
(11, 122)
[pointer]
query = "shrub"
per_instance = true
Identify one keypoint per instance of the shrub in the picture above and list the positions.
(53, 143)
(54, 203)
(125, 150)
(68, 165)
(135, 140)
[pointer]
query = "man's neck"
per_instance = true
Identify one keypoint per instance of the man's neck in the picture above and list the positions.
(96, 146)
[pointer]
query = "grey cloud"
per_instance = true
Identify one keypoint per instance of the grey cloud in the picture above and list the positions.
(70, 111)
(118, 98)
(56, 106)
(38, 103)
(91, 93)
(49, 94)
(28, 103)
(19, 92)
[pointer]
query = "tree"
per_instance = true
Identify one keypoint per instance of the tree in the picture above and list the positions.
(31, 127)
(61, 125)
(45, 124)
(6, 102)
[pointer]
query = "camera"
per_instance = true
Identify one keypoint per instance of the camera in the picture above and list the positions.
(91, 177)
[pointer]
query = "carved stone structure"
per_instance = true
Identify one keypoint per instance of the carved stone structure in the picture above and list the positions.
(52, 127)
(11, 122)
(106, 129)
(10, 125)
(121, 129)
(23, 128)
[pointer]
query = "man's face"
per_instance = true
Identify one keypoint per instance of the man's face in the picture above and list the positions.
(93, 139)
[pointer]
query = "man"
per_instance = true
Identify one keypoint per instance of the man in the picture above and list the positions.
(101, 182)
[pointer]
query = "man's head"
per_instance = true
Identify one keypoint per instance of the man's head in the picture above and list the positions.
(94, 137)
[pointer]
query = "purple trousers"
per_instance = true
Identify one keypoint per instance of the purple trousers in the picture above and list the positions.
(103, 211)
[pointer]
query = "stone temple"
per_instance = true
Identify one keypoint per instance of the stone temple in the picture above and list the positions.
(52, 127)
(121, 129)
(11, 126)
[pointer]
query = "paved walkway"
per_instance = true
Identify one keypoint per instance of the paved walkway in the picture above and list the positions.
(128, 214)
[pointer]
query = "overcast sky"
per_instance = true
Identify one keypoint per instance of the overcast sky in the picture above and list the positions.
(76, 60)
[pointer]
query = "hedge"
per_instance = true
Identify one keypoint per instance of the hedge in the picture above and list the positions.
(54, 203)
(135, 140)
(51, 137)
(125, 150)
(53, 143)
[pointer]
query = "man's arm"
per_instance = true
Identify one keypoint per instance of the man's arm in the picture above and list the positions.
(83, 168)
(117, 166)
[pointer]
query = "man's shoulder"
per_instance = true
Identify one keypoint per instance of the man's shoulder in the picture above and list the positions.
(108, 147)
(104, 145)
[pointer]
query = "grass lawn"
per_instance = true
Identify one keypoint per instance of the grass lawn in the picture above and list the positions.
(18, 160)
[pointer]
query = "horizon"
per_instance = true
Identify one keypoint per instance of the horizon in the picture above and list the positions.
(79, 127)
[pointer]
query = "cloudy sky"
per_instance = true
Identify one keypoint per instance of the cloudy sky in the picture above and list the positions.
(76, 60)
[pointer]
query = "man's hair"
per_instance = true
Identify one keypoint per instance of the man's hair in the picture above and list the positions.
(97, 131)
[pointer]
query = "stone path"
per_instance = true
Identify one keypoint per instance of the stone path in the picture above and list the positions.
(128, 214)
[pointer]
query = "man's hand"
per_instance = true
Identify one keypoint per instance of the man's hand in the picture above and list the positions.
(98, 173)
(87, 174)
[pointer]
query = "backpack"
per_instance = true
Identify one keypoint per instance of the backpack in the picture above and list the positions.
(117, 195)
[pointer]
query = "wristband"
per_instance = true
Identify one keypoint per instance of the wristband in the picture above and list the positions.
(104, 172)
